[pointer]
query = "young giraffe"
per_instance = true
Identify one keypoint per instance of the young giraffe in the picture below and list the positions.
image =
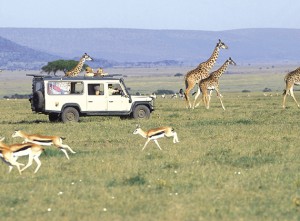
(291, 79)
(212, 83)
(201, 72)
(75, 71)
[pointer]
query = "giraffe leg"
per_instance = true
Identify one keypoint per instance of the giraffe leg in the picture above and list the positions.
(293, 96)
(220, 97)
(288, 89)
(189, 87)
(284, 98)
(210, 93)
(205, 100)
(196, 97)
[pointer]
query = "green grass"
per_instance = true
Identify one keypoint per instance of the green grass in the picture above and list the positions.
(238, 164)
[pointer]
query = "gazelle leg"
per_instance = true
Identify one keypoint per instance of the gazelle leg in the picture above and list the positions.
(30, 159)
(67, 147)
(148, 140)
(38, 162)
(10, 168)
(17, 165)
(65, 152)
(175, 139)
(13, 162)
(155, 141)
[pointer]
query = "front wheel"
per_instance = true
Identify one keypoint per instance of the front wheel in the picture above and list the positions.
(70, 114)
(141, 112)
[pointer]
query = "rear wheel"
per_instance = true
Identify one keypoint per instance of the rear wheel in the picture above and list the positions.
(70, 114)
(141, 112)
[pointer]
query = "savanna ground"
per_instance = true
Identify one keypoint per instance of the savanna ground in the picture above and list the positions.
(238, 164)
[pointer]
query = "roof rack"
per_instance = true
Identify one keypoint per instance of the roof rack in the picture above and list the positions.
(77, 77)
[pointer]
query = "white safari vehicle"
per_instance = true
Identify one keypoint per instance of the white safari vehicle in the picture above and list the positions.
(66, 99)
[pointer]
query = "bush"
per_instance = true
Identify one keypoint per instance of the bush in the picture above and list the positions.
(267, 90)
(162, 91)
(246, 91)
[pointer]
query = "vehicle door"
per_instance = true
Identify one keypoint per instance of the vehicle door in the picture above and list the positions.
(96, 99)
(118, 100)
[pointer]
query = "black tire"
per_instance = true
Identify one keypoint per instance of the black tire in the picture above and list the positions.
(54, 117)
(70, 114)
(141, 112)
(38, 101)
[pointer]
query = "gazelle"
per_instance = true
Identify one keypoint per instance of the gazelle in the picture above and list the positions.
(44, 140)
(10, 154)
(154, 134)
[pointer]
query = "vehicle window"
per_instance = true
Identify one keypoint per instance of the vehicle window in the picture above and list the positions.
(59, 87)
(76, 87)
(56, 87)
(95, 89)
(114, 89)
(38, 86)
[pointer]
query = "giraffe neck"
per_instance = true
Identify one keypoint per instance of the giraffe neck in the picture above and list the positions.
(213, 58)
(78, 67)
(221, 70)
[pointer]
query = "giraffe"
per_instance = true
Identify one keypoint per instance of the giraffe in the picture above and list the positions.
(202, 71)
(212, 83)
(75, 71)
(291, 79)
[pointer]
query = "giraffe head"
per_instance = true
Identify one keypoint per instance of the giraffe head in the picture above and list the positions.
(86, 57)
(222, 45)
(230, 61)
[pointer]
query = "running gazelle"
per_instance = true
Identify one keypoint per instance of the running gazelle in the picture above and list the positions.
(10, 154)
(156, 133)
(44, 140)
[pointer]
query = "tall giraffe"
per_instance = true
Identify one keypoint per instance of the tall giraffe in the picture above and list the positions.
(291, 79)
(201, 72)
(75, 71)
(212, 83)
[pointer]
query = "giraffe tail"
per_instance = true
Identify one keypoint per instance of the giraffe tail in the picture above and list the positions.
(186, 83)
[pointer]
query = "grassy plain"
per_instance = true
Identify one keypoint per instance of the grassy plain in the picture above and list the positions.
(238, 164)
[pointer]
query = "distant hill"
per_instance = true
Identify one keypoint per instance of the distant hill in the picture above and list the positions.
(15, 56)
(176, 47)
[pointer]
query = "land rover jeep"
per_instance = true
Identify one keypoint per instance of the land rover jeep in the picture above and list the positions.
(66, 99)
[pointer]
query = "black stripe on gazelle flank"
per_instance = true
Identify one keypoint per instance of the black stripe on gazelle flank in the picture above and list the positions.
(157, 134)
(42, 141)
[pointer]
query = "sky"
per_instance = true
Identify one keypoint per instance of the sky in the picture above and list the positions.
(208, 15)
